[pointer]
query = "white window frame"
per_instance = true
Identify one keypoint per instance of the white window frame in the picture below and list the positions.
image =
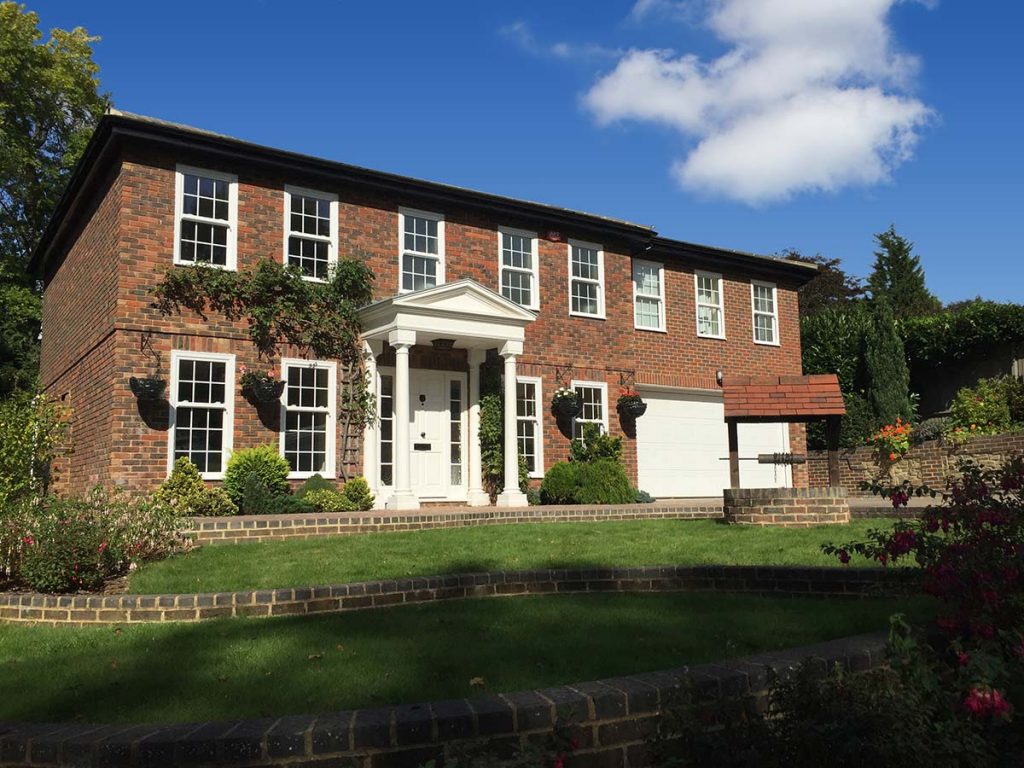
(603, 386)
(661, 295)
(538, 420)
(535, 261)
(599, 282)
(697, 303)
(332, 240)
(440, 256)
(774, 315)
(231, 260)
(229, 406)
(330, 470)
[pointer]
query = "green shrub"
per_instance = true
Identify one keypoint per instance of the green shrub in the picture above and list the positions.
(595, 446)
(185, 492)
(329, 501)
(262, 462)
(855, 427)
(990, 406)
(492, 447)
(314, 483)
(533, 496)
(357, 492)
(559, 484)
(643, 497)
(603, 481)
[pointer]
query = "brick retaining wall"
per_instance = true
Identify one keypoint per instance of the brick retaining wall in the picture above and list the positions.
(930, 463)
(786, 507)
(218, 530)
(84, 610)
(612, 721)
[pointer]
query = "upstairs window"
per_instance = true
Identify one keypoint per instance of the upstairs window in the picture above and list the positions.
(422, 251)
(518, 267)
(766, 316)
(648, 295)
(311, 231)
(201, 399)
(586, 279)
(307, 441)
(710, 307)
(205, 217)
(594, 395)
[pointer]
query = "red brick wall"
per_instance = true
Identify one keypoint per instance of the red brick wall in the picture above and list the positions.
(136, 216)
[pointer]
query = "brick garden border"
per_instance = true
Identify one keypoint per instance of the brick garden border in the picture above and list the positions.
(612, 720)
(82, 610)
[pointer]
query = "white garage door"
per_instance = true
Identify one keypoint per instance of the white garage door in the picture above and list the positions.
(683, 447)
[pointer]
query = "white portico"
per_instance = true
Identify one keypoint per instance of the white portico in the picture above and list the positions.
(424, 443)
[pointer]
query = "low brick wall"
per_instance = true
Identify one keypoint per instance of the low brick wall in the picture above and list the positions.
(786, 507)
(227, 530)
(930, 463)
(83, 610)
(612, 721)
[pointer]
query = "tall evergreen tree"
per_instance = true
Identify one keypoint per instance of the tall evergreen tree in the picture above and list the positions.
(886, 375)
(831, 288)
(897, 275)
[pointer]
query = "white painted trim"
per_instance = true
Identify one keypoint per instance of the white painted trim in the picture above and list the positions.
(535, 261)
(229, 406)
(538, 420)
(603, 386)
(439, 218)
(662, 310)
(667, 389)
(330, 470)
(721, 302)
(332, 240)
(383, 371)
(232, 222)
(775, 314)
(600, 278)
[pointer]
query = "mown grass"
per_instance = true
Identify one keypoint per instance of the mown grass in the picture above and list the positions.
(266, 667)
(341, 559)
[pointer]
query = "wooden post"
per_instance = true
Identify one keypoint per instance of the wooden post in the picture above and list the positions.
(734, 455)
(832, 442)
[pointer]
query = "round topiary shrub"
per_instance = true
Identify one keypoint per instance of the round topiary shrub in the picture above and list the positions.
(357, 492)
(315, 483)
(603, 482)
(559, 485)
(262, 462)
(185, 492)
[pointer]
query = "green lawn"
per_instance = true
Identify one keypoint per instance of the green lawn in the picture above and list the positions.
(262, 667)
(341, 559)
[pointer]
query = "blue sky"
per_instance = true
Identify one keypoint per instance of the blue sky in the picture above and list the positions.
(750, 124)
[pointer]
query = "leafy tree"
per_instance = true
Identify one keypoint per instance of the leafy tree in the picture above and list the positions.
(832, 288)
(49, 104)
(885, 366)
(898, 276)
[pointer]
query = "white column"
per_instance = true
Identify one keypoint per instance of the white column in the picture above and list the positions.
(402, 496)
(371, 435)
(511, 496)
(476, 496)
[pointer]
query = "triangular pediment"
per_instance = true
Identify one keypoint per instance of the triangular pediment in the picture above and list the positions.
(463, 298)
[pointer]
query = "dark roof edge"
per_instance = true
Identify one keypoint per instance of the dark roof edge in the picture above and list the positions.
(769, 266)
(116, 125)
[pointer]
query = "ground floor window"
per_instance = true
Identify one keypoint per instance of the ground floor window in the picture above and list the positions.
(455, 430)
(595, 410)
(201, 399)
(307, 440)
(528, 425)
(387, 425)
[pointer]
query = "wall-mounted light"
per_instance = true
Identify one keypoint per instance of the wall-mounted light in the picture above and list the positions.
(719, 376)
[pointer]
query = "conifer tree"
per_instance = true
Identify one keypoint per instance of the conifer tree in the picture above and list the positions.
(885, 366)
(897, 275)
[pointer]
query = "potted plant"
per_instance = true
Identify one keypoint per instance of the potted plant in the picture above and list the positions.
(631, 405)
(261, 386)
(566, 403)
(147, 388)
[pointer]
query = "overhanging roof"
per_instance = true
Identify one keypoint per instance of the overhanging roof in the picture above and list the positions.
(782, 398)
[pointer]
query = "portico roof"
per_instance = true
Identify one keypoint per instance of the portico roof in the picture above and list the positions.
(463, 310)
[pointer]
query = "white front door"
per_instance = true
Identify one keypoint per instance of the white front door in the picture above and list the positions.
(429, 417)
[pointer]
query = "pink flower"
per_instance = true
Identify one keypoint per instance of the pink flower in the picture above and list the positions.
(28, 541)
(963, 658)
(844, 556)
(103, 546)
(980, 703)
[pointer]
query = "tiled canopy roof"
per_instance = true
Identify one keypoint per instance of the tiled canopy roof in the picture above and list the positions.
(786, 398)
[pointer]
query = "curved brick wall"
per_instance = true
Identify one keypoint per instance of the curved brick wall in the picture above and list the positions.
(611, 720)
(131, 609)
(786, 507)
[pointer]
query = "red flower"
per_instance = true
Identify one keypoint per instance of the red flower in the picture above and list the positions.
(28, 541)
(981, 703)
(963, 658)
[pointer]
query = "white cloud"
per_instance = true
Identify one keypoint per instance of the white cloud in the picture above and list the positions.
(811, 95)
(521, 34)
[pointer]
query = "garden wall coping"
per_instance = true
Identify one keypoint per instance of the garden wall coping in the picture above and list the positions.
(85, 610)
(612, 721)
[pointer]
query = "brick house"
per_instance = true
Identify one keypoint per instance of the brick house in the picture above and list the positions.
(464, 280)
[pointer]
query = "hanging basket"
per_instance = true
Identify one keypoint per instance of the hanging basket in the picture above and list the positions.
(632, 409)
(567, 407)
(264, 390)
(147, 390)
